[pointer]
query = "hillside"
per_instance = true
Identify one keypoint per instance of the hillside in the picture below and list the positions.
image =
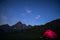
(20, 31)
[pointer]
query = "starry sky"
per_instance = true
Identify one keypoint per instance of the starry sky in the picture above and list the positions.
(29, 12)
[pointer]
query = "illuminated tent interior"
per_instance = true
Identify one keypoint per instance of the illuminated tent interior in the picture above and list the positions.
(50, 34)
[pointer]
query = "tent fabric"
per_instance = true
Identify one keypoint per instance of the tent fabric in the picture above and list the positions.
(50, 34)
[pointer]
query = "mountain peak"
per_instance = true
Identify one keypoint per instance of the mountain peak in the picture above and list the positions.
(19, 22)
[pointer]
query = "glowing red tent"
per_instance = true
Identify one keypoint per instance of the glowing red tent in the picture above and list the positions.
(50, 34)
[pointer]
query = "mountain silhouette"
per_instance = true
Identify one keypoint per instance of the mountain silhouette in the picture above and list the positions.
(19, 26)
(53, 25)
(20, 31)
(4, 27)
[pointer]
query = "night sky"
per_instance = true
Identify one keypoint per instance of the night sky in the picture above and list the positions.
(30, 12)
